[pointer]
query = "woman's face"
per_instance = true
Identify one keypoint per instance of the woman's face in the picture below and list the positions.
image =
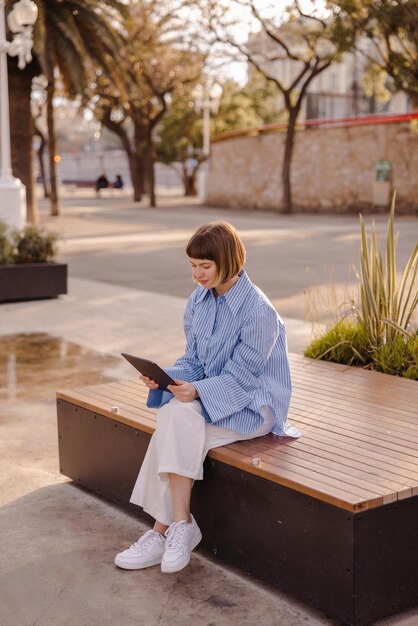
(204, 272)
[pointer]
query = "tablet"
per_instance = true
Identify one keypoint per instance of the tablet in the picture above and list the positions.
(150, 369)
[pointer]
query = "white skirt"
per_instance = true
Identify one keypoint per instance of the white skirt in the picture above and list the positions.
(179, 446)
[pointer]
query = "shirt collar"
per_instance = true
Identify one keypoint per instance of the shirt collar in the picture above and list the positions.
(234, 297)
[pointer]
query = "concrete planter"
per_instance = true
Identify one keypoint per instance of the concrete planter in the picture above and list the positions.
(30, 281)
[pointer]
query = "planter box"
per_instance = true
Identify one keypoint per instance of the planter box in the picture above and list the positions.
(30, 281)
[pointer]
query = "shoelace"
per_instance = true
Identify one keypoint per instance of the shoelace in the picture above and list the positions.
(144, 541)
(175, 535)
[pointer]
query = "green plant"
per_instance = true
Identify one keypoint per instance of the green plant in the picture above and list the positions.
(398, 357)
(346, 342)
(29, 245)
(386, 308)
(6, 255)
(381, 335)
(33, 245)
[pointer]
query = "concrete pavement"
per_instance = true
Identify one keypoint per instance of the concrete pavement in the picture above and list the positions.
(58, 541)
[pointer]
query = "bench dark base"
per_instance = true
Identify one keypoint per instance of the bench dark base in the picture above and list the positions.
(354, 567)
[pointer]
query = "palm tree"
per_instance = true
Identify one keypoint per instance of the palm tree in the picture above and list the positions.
(21, 129)
(69, 37)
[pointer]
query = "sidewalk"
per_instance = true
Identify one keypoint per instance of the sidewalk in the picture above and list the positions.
(58, 541)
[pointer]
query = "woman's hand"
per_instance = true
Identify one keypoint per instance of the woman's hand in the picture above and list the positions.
(151, 384)
(185, 392)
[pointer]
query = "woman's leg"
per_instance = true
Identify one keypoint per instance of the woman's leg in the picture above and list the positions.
(181, 492)
(159, 527)
(171, 463)
(151, 493)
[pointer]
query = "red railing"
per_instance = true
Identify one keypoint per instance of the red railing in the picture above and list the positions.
(341, 122)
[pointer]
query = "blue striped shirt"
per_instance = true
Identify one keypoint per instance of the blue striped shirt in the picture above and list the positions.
(236, 357)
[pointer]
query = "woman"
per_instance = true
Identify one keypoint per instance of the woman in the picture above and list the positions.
(232, 383)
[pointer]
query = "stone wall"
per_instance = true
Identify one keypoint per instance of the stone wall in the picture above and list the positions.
(333, 170)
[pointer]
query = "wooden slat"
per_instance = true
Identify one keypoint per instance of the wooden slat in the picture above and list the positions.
(327, 420)
(344, 413)
(345, 446)
(345, 476)
(342, 436)
(370, 394)
(338, 391)
(92, 403)
(374, 387)
(381, 467)
(359, 445)
(335, 369)
(307, 486)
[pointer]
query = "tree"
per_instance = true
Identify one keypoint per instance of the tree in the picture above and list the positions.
(158, 58)
(179, 134)
(375, 86)
(254, 104)
(179, 138)
(125, 121)
(68, 36)
(303, 40)
(391, 28)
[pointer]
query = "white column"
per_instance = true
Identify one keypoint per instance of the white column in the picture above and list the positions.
(203, 172)
(206, 127)
(12, 191)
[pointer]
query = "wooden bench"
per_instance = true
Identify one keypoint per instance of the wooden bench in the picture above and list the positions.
(73, 184)
(331, 518)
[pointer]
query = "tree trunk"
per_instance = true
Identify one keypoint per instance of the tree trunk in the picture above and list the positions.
(372, 104)
(189, 181)
(40, 154)
(55, 207)
(136, 169)
(287, 161)
(135, 160)
(21, 130)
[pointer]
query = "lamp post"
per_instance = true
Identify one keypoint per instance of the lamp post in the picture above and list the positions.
(20, 20)
(207, 98)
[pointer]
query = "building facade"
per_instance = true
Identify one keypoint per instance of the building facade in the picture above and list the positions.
(339, 91)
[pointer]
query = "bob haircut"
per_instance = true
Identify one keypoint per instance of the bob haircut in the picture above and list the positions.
(218, 242)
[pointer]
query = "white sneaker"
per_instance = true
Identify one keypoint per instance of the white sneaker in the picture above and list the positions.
(182, 538)
(147, 551)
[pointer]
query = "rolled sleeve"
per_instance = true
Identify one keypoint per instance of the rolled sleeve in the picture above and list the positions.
(157, 398)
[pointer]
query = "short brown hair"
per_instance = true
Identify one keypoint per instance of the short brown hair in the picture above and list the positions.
(218, 242)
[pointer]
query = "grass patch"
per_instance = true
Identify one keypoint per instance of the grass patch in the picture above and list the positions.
(347, 342)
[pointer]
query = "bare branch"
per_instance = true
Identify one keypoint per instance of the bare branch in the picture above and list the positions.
(315, 18)
(273, 35)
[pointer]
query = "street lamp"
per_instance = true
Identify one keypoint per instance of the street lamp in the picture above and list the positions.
(207, 98)
(20, 20)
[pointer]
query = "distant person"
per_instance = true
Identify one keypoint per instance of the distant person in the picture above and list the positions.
(233, 383)
(101, 183)
(118, 184)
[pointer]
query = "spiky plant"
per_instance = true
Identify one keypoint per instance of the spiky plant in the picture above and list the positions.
(386, 305)
(382, 333)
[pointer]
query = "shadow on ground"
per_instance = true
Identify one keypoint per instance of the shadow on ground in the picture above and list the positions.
(57, 557)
